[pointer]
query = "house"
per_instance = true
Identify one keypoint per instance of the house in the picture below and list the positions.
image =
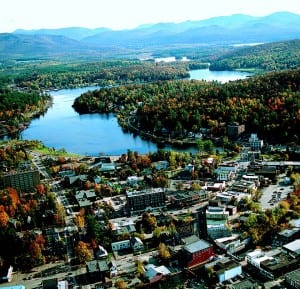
(85, 198)
(133, 243)
(197, 252)
(101, 253)
(155, 273)
(75, 180)
(136, 244)
(121, 245)
(97, 270)
(160, 165)
(126, 226)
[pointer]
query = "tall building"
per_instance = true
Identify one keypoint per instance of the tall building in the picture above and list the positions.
(139, 201)
(255, 143)
(24, 181)
(234, 130)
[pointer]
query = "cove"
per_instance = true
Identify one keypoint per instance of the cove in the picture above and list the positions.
(92, 134)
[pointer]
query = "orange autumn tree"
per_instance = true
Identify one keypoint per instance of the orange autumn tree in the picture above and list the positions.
(4, 218)
(83, 252)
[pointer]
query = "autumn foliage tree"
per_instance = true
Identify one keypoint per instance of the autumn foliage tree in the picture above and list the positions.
(163, 251)
(4, 218)
(83, 252)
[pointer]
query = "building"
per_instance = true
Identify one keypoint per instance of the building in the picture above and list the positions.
(244, 284)
(255, 143)
(293, 248)
(97, 270)
(139, 201)
(155, 273)
(133, 243)
(226, 172)
(217, 222)
(24, 181)
(227, 269)
(274, 263)
(293, 279)
(197, 252)
(235, 130)
(182, 199)
(230, 244)
(286, 236)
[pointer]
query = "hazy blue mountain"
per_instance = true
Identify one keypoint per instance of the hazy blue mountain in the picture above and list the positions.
(20, 45)
(223, 30)
(76, 33)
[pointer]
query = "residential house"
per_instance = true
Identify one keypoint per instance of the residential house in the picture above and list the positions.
(155, 273)
(120, 245)
(98, 270)
(85, 198)
(133, 243)
(101, 252)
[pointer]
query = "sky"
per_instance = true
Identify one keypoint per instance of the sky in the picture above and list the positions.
(127, 14)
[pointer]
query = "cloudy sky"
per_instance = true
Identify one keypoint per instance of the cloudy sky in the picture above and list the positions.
(121, 14)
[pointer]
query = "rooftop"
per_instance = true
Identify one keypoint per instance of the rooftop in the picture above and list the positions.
(293, 246)
(197, 246)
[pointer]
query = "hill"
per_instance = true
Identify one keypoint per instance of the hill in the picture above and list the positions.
(270, 56)
(77, 41)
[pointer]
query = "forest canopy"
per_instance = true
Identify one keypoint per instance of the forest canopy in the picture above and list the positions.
(267, 104)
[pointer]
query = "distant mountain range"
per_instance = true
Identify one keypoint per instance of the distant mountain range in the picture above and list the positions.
(75, 41)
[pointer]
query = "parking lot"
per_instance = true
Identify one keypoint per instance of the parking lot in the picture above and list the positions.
(273, 194)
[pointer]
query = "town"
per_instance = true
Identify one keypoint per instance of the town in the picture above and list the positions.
(165, 219)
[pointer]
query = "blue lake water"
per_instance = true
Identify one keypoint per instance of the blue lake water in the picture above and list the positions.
(91, 134)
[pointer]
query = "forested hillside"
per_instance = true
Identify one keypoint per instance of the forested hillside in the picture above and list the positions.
(268, 105)
(271, 56)
(57, 75)
(18, 107)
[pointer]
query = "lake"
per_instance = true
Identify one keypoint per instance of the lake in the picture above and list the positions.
(91, 134)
